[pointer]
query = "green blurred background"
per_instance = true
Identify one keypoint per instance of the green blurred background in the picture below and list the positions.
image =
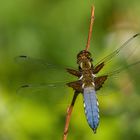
(56, 30)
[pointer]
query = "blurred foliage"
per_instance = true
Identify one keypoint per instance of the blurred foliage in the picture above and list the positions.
(56, 30)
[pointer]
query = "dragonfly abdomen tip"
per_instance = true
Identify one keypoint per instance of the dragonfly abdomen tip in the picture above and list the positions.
(94, 130)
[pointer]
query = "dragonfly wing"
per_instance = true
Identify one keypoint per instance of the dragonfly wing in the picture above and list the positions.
(41, 70)
(91, 107)
(76, 85)
(99, 81)
(53, 93)
(29, 60)
(119, 70)
(103, 61)
(98, 67)
(74, 72)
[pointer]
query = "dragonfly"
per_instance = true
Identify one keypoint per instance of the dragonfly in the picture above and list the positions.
(88, 82)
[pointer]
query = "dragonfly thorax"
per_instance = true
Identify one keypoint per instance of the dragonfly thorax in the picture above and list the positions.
(87, 78)
(84, 60)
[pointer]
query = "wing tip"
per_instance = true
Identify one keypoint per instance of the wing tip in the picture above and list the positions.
(136, 35)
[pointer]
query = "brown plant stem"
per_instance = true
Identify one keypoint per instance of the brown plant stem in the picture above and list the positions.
(70, 108)
(90, 29)
(68, 116)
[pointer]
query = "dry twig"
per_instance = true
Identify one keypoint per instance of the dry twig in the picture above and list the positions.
(68, 116)
(70, 108)
(90, 29)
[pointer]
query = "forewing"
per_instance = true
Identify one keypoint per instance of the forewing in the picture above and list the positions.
(125, 66)
(27, 60)
(44, 81)
(124, 49)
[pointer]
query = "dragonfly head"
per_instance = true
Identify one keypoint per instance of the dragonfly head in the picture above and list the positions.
(84, 59)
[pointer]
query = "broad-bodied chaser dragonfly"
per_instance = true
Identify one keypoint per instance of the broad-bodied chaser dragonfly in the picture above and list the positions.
(88, 82)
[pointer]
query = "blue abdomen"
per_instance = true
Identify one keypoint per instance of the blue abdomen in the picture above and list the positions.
(91, 107)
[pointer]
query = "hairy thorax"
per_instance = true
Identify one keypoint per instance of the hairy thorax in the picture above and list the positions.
(87, 77)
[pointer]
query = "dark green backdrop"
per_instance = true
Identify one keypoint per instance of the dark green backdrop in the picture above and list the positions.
(56, 30)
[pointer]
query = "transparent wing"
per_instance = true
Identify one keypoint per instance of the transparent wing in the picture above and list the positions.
(124, 75)
(42, 80)
(55, 92)
(123, 70)
(50, 93)
(126, 49)
(24, 59)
